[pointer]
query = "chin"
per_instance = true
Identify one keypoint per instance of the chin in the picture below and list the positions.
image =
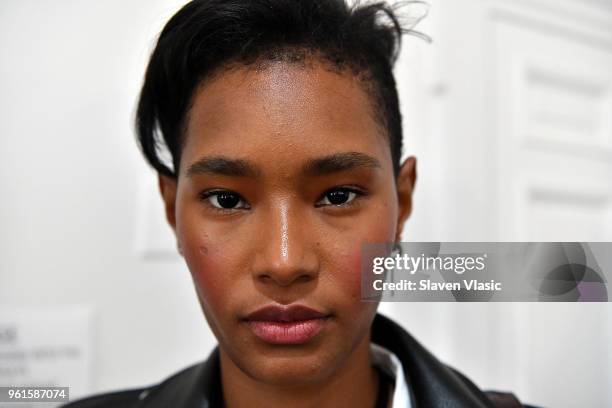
(291, 370)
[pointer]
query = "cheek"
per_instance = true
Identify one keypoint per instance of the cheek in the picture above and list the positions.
(352, 275)
(347, 253)
(208, 263)
(207, 278)
(208, 252)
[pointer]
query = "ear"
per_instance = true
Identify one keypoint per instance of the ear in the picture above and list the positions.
(406, 181)
(167, 188)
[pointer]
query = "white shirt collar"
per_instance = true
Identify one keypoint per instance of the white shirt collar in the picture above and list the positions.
(388, 361)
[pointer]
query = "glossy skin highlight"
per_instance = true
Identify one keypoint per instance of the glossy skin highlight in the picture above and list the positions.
(298, 153)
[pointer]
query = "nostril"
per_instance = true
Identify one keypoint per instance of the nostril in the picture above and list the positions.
(265, 278)
(304, 278)
(284, 278)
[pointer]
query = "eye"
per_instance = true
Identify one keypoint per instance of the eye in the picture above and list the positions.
(338, 196)
(225, 200)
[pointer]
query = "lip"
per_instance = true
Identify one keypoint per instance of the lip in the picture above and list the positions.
(293, 324)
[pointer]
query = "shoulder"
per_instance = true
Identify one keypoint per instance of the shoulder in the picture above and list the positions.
(498, 399)
(431, 382)
(172, 388)
(118, 399)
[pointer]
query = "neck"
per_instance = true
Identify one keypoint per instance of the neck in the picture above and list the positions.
(354, 384)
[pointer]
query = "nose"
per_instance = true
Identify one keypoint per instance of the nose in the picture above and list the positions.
(286, 255)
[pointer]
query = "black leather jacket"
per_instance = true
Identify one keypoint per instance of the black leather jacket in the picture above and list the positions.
(433, 384)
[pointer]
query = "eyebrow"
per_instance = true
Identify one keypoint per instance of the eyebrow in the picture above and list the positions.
(334, 163)
(221, 165)
(338, 162)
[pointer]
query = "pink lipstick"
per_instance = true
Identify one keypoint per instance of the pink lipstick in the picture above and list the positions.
(293, 324)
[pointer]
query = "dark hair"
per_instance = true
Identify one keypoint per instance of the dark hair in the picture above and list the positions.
(206, 35)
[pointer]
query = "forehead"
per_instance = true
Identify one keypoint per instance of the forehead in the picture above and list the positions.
(282, 108)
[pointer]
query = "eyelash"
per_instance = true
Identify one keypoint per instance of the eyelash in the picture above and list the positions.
(350, 189)
(207, 195)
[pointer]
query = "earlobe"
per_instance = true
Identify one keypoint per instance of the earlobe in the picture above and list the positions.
(167, 188)
(406, 181)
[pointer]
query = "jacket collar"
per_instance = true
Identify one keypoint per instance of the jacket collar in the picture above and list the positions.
(432, 383)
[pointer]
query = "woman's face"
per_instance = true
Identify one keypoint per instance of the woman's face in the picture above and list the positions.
(284, 174)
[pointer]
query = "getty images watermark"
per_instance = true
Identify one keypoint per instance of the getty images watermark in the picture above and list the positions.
(486, 271)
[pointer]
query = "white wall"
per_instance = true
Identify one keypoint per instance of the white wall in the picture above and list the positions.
(81, 225)
(510, 114)
(72, 185)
